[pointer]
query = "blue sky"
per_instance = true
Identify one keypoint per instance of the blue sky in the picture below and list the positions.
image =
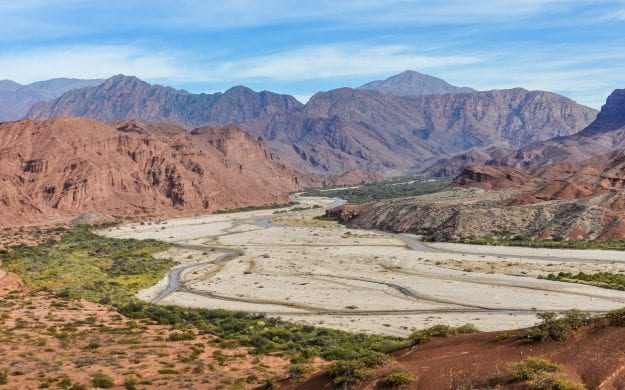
(572, 47)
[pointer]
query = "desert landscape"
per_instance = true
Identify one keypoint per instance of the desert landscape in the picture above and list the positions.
(312, 195)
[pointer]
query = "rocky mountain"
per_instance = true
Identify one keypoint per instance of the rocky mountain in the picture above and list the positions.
(16, 99)
(57, 169)
(123, 97)
(605, 134)
(414, 83)
(343, 129)
(348, 128)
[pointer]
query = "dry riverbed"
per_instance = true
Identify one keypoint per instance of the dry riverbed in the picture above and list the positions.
(289, 264)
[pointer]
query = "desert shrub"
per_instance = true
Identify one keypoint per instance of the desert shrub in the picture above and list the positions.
(531, 368)
(553, 328)
(130, 384)
(396, 377)
(346, 373)
(296, 370)
(4, 377)
(554, 382)
(616, 317)
(181, 336)
(424, 336)
(102, 381)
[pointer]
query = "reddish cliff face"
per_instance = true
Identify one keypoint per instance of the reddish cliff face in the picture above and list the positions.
(56, 169)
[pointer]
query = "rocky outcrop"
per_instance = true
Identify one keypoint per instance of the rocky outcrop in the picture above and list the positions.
(414, 83)
(58, 169)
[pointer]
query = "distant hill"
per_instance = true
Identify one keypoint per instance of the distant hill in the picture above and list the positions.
(16, 99)
(414, 83)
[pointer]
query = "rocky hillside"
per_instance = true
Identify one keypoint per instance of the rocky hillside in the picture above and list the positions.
(16, 99)
(57, 169)
(605, 134)
(559, 201)
(414, 83)
(343, 129)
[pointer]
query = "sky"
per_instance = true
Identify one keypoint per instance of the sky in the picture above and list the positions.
(572, 47)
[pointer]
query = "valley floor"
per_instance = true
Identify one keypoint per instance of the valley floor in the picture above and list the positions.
(288, 263)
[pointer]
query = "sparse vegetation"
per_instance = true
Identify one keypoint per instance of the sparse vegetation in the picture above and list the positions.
(425, 335)
(531, 368)
(397, 377)
(554, 328)
(541, 374)
(255, 208)
(556, 244)
(399, 187)
(601, 279)
(347, 373)
(100, 380)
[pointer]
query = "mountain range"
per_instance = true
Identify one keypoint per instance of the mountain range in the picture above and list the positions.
(342, 129)
(16, 99)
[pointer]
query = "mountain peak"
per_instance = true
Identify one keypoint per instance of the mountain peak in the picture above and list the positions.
(410, 82)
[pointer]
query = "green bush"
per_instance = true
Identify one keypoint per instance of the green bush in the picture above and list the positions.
(554, 382)
(553, 328)
(424, 336)
(396, 377)
(181, 336)
(346, 373)
(616, 317)
(4, 377)
(102, 381)
(532, 368)
(296, 370)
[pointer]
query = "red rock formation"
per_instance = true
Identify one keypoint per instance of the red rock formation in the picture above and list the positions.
(57, 169)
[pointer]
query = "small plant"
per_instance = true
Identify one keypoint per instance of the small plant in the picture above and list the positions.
(181, 336)
(396, 377)
(346, 373)
(130, 384)
(296, 370)
(532, 368)
(553, 328)
(4, 377)
(554, 382)
(424, 336)
(102, 381)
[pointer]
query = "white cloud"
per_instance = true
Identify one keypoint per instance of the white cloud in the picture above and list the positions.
(88, 62)
(341, 60)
